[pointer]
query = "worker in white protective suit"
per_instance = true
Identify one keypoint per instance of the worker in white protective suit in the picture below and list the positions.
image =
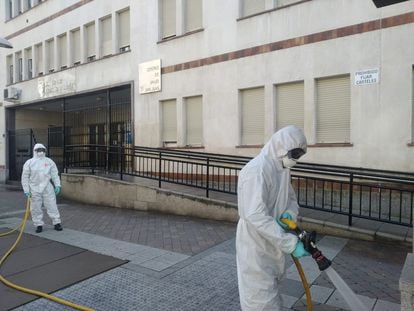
(265, 195)
(38, 174)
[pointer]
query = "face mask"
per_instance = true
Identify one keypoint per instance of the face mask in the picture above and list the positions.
(288, 163)
(40, 154)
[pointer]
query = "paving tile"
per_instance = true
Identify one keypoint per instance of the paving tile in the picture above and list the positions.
(337, 300)
(382, 305)
(319, 294)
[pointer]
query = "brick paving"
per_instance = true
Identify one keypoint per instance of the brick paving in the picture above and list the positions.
(370, 268)
(186, 235)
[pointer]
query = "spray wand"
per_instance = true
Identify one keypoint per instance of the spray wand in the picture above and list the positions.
(309, 239)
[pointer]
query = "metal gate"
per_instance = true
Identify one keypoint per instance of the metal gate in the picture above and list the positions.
(100, 121)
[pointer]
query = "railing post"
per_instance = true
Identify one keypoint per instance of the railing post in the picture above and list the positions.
(351, 190)
(208, 177)
(122, 162)
(159, 170)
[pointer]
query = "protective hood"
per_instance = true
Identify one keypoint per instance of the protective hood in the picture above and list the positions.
(35, 147)
(287, 138)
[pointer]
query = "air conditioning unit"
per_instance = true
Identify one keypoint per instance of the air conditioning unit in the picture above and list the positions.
(11, 93)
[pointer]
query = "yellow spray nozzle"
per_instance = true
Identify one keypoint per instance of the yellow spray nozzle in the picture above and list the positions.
(290, 223)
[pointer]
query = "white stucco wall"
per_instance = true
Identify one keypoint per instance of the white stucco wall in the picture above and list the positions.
(380, 113)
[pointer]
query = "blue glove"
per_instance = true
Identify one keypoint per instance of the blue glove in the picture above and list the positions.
(28, 194)
(300, 250)
(284, 215)
(57, 190)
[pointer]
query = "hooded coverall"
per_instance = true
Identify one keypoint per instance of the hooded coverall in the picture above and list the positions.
(38, 172)
(264, 194)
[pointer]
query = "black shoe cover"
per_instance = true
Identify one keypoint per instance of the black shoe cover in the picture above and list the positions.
(58, 227)
(39, 229)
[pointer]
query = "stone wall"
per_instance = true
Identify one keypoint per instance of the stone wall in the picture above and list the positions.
(109, 192)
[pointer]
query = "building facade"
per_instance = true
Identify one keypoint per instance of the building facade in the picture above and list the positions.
(214, 76)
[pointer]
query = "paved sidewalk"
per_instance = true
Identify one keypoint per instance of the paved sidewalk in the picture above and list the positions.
(183, 263)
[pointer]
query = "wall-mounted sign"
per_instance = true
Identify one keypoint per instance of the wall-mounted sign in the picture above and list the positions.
(150, 76)
(369, 76)
(56, 85)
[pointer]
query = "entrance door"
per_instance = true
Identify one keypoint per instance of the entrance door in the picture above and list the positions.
(20, 150)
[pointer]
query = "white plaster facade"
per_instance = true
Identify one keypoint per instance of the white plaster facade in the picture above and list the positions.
(381, 114)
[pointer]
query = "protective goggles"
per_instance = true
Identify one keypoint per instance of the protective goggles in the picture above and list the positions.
(295, 153)
(40, 150)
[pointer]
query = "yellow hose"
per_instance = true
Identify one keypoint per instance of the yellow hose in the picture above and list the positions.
(292, 225)
(28, 290)
(304, 282)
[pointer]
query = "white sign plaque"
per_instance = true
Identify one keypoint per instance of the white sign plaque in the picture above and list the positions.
(369, 76)
(56, 85)
(150, 76)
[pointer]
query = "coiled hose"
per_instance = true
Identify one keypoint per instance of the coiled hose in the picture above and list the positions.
(28, 290)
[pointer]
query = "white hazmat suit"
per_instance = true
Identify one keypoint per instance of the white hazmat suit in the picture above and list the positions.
(264, 194)
(38, 172)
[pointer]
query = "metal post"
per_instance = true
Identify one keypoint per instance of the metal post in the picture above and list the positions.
(65, 169)
(122, 162)
(351, 189)
(208, 177)
(159, 170)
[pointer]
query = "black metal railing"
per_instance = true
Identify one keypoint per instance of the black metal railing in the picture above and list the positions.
(380, 195)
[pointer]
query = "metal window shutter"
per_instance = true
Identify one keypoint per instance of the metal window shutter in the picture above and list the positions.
(333, 109)
(106, 36)
(169, 121)
(194, 15)
(90, 40)
(290, 105)
(253, 6)
(50, 55)
(39, 58)
(124, 29)
(76, 46)
(168, 18)
(252, 116)
(194, 118)
(62, 51)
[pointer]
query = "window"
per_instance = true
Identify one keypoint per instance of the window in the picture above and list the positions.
(194, 121)
(124, 36)
(9, 9)
(9, 62)
(29, 63)
(169, 122)
(19, 66)
(76, 46)
(62, 46)
(39, 59)
(333, 101)
(106, 38)
(168, 18)
(251, 7)
(193, 15)
(290, 105)
(30, 68)
(252, 116)
(90, 41)
(50, 55)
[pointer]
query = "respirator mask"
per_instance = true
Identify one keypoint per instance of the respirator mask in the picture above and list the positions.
(292, 157)
(40, 152)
